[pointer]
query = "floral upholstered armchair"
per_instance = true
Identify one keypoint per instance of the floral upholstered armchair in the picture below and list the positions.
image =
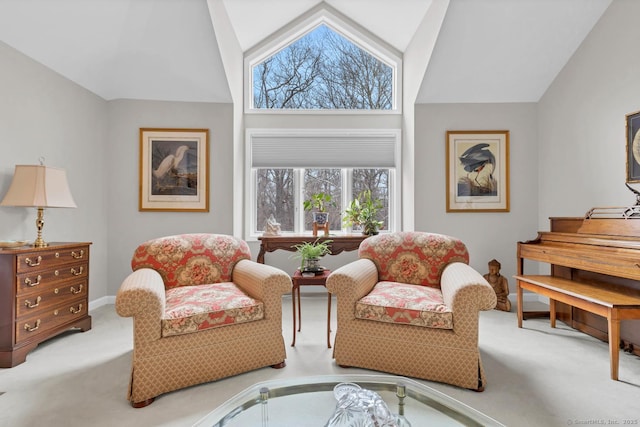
(410, 306)
(202, 310)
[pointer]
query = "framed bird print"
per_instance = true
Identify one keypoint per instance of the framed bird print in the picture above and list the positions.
(174, 170)
(633, 146)
(478, 171)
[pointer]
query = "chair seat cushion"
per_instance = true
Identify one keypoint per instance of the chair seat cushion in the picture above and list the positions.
(396, 302)
(195, 308)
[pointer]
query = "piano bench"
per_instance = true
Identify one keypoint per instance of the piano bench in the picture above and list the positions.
(615, 303)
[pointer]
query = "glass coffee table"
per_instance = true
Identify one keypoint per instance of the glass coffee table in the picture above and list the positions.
(310, 401)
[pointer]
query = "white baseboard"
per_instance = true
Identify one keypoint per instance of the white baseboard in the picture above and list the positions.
(109, 299)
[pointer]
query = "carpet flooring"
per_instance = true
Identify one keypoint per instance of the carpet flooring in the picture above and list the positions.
(537, 376)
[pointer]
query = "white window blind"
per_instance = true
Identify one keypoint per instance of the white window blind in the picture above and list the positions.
(322, 149)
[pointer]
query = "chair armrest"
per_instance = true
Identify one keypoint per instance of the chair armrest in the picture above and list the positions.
(142, 292)
(261, 281)
(465, 290)
(141, 296)
(353, 281)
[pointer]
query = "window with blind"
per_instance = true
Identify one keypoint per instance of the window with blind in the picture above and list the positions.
(286, 167)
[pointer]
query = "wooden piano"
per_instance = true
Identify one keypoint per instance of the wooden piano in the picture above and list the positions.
(594, 282)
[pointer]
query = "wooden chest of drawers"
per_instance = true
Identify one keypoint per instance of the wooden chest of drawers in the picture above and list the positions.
(43, 292)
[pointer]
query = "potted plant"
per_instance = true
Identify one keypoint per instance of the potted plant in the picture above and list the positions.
(363, 211)
(319, 202)
(310, 254)
(352, 214)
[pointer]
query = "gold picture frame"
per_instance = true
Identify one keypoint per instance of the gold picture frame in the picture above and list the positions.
(478, 171)
(632, 121)
(174, 170)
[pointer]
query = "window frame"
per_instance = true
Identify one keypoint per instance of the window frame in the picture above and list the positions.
(394, 186)
(366, 41)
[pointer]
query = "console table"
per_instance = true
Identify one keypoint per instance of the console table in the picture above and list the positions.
(341, 243)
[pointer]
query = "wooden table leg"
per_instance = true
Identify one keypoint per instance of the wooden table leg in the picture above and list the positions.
(552, 312)
(299, 311)
(519, 301)
(614, 342)
(297, 281)
(293, 303)
(329, 320)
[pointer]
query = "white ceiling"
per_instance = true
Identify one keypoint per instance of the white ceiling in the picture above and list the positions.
(487, 50)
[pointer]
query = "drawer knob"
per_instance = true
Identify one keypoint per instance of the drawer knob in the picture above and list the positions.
(76, 291)
(28, 282)
(32, 263)
(29, 328)
(29, 304)
(76, 272)
(76, 310)
(78, 255)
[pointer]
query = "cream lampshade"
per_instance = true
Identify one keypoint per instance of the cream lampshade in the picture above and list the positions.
(41, 187)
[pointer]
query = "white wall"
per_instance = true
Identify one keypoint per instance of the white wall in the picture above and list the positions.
(487, 235)
(97, 142)
(582, 122)
(128, 227)
(45, 115)
(582, 152)
(567, 154)
(567, 151)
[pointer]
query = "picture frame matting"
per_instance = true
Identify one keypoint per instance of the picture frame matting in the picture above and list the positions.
(174, 170)
(477, 171)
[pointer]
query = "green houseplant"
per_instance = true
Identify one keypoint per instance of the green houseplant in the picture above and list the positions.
(310, 253)
(351, 216)
(319, 201)
(363, 212)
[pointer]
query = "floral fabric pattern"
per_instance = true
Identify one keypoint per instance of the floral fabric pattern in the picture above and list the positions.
(394, 302)
(195, 308)
(417, 258)
(191, 259)
(183, 335)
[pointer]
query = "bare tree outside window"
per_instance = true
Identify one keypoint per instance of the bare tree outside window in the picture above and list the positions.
(323, 70)
(275, 194)
(377, 181)
(285, 80)
(352, 78)
(275, 197)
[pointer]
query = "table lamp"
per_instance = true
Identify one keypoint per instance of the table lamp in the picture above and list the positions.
(41, 187)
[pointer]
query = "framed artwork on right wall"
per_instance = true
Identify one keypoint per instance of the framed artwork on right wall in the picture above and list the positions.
(633, 146)
(478, 171)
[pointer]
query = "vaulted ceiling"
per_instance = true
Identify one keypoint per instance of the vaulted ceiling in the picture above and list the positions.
(486, 50)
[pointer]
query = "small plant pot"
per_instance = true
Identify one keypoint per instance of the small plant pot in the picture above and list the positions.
(311, 265)
(321, 218)
(370, 230)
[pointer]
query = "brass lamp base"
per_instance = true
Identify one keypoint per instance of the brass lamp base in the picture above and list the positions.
(39, 242)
